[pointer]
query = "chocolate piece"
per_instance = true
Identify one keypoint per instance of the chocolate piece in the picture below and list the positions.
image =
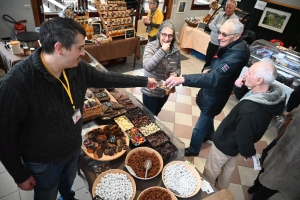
(125, 147)
(106, 152)
(120, 149)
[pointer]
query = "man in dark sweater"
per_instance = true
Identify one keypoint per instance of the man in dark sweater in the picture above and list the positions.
(41, 101)
(246, 123)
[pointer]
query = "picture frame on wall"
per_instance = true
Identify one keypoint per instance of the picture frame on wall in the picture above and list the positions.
(181, 7)
(273, 19)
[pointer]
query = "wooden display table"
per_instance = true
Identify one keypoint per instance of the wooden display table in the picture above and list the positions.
(194, 38)
(115, 49)
(7, 59)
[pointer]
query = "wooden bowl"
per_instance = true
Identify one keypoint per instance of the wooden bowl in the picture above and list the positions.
(190, 168)
(150, 151)
(114, 171)
(104, 157)
(157, 187)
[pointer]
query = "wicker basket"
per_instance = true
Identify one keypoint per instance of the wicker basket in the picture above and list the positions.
(191, 24)
(101, 41)
(92, 113)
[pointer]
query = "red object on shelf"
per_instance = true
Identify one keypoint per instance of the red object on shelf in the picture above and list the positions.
(277, 42)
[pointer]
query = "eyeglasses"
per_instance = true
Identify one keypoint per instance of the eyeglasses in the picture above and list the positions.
(225, 34)
(164, 35)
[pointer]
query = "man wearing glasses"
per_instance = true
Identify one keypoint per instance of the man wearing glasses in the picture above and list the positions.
(154, 19)
(216, 82)
(215, 26)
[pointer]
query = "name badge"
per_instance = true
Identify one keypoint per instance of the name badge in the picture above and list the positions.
(77, 115)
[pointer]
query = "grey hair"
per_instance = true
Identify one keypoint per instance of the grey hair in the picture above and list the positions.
(237, 26)
(232, 1)
(267, 71)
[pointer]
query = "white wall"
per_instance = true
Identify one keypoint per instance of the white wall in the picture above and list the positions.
(178, 18)
(15, 9)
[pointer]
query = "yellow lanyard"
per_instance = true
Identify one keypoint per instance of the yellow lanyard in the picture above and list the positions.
(224, 17)
(67, 88)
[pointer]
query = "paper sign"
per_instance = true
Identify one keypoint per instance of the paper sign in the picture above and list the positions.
(206, 187)
(260, 5)
(256, 162)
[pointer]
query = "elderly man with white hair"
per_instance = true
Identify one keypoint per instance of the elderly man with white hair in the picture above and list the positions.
(216, 82)
(246, 123)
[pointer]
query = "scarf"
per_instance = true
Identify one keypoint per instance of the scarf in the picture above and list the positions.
(149, 27)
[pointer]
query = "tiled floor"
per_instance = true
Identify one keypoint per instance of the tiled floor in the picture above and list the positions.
(179, 114)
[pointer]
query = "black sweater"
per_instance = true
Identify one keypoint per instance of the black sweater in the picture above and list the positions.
(247, 122)
(36, 114)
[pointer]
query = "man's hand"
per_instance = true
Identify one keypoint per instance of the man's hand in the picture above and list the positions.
(146, 21)
(206, 71)
(152, 83)
(174, 81)
(28, 184)
(239, 82)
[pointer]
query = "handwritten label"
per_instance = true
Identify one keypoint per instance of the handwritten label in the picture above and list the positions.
(129, 33)
(97, 28)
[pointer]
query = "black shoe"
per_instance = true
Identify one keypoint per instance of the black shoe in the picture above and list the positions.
(187, 152)
(253, 189)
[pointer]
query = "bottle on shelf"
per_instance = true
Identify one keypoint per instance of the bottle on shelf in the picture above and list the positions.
(91, 29)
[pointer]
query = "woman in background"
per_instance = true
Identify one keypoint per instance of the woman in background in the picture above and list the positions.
(160, 54)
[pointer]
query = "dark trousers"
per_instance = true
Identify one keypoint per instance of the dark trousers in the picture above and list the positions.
(263, 193)
(150, 39)
(210, 53)
(154, 104)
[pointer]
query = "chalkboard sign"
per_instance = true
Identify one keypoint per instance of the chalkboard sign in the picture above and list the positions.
(129, 33)
(97, 28)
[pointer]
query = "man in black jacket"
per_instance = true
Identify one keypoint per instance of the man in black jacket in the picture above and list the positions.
(246, 123)
(41, 101)
(216, 82)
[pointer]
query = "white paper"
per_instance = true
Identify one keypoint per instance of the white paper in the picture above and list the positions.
(260, 5)
(206, 187)
(87, 127)
(256, 162)
(130, 170)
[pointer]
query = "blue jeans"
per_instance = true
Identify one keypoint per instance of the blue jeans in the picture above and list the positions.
(203, 128)
(154, 104)
(51, 178)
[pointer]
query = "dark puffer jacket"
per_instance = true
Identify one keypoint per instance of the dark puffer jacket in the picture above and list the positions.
(217, 85)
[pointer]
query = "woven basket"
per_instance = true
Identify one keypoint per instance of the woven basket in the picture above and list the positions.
(92, 113)
(191, 24)
(101, 41)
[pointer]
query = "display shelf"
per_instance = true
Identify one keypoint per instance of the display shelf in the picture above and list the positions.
(115, 18)
(286, 60)
(173, 138)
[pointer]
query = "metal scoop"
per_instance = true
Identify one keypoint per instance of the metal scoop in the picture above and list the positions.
(147, 165)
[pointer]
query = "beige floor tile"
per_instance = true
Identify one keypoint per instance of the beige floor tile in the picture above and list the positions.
(13, 196)
(183, 90)
(216, 124)
(170, 125)
(170, 106)
(182, 131)
(183, 108)
(196, 62)
(248, 175)
(183, 119)
(136, 90)
(7, 185)
(138, 72)
(167, 115)
(235, 178)
(246, 194)
(186, 70)
(184, 99)
(185, 63)
(194, 92)
(195, 111)
(185, 141)
(195, 68)
(199, 163)
(237, 191)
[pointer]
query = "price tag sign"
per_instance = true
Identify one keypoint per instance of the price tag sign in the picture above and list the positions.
(129, 33)
(97, 28)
